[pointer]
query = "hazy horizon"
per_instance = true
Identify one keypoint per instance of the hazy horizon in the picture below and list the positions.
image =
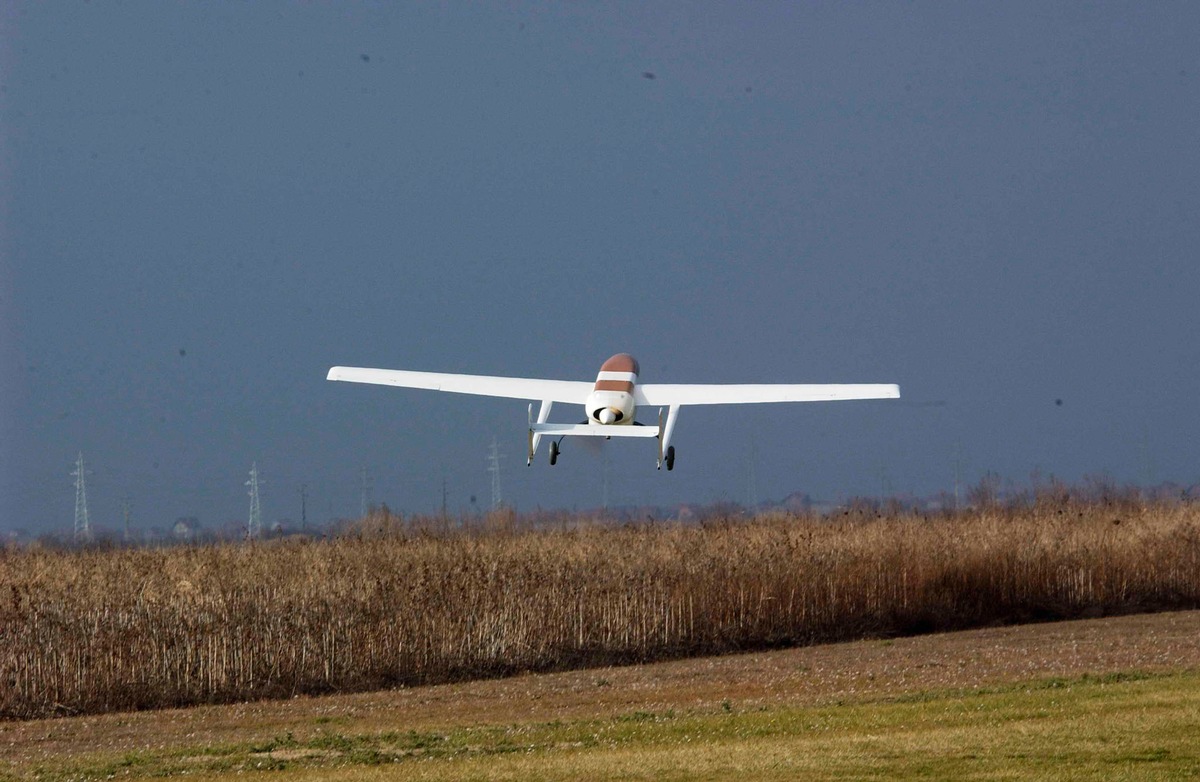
(207, 206)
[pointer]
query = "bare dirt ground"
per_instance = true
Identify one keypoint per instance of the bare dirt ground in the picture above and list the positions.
(849, 672)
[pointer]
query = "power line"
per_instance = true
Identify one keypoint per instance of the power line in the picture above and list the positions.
(254, 527)
(885, 484)
(366, 484)
(494, 457)
(607, 464)
(125, 506)
(83, 524)
(752, 474)
(957, 472)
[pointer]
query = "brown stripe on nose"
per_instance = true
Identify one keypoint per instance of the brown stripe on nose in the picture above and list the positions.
(614, 385)
(622, 362)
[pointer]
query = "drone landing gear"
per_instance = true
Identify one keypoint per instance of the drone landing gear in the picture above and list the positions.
(664, 436)
(553, 451)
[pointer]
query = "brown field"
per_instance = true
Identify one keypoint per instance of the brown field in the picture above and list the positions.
(115, 630)
(1086, 667)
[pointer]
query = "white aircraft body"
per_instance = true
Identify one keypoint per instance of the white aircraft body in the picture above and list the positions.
(611, 402)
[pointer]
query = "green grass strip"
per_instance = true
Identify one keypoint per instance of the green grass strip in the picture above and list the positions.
(1126, 725)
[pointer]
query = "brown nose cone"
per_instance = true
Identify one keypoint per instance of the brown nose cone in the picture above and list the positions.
(622, 362)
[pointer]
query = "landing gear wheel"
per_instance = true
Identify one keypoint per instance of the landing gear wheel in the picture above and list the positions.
(553, 452)
(670, 458)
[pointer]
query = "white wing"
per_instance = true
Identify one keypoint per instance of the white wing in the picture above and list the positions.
(666, 394)
(571, 391)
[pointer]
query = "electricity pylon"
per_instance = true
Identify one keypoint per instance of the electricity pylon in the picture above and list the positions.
(366, 484)
(254, 527)
(83, 524)
(494, 458)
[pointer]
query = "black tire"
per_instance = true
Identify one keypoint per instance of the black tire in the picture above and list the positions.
(670, 458)
(553, 452)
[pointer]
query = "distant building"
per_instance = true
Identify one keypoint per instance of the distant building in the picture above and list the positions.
(234, 529)
(186, 528)
(797, 502)
(16, 537)
(685, 513)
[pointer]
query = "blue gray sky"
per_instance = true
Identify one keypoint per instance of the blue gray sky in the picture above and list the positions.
(207, 205)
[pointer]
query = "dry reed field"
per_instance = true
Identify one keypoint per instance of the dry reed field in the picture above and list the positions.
(1115, 697)
(102, 630)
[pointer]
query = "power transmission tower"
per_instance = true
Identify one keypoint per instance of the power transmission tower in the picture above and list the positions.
(957, 472)
(83, 524)
(125, 512)
(303, 505)
(752, 475)
(254, 527)
(366, 485)
(1147, 464)
(607, 464)
(494, 457)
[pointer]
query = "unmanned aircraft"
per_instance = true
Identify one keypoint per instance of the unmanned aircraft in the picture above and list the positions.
(612, 401)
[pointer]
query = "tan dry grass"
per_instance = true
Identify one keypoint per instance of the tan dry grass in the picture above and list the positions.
(842, 683)
(94, 631)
